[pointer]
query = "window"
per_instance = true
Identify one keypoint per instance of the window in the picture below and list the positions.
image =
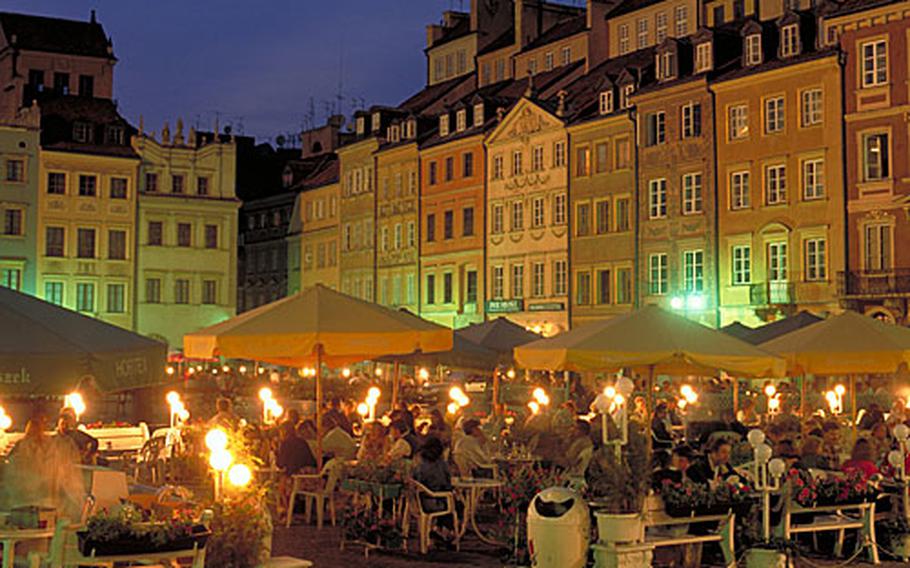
(516, 163)
(537, 158)
(623, 286)
(398, 236)
(85, 241)
(774, 115)
(151, 182)
(738, 122)
(559, 209)
(660, 27)
(461, 120)
(739, 190)
(753, 49)
(559, 154)
(209, 292)
(116, 245)
(467, 222)
(624, 45)
(682, 21)
(470, 296)
(433, 173)
(623, 149)
(876, 154)
(777, 262)
(114, 135)
(467, 164)
(498, 283)
(518, 216)
(532, 67)
(655, 128)
(583, 219)
(12, 222)
(86, 86)
(694, 270)
(211, 236)
(775, 184)
(88, 186)
(53, 293)
(118, 188)
(202, 186)
(15, 170)
(560, 273)
(812, 107)
(789, 41)
(83, 133)
(602, 211)
(606, 102)
(54, 241)
(691, 120)
(431, 227)
(447, 290)
(742, 265)
(155, 233)
(11, 278)
(537, 216)
(56, 183)
(448, 225)
(62, 83)
(497, 226)
(874, 63)
(739, 10)
(583, 288)
(444, 125)
(877, 247)
(816, 260)
(181, 291)
(642, 33)
(478, 115)
(518, 281)
(497, 167)
(537, 279)
(450, 168)
(622, 214)
(704, 57)
(657, 274)
(657, 198)
(115, 298)
(184, 235)
(813, 179)
(666, 65)
(691, 194)
(548, 61)
(601, 157)
(582, 158)
(85, 297)
(604, 286)
(412, 234)
(177, 185)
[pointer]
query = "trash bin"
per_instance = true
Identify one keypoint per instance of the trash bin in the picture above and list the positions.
(559, 528)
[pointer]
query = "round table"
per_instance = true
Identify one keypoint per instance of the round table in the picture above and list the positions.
(9, 537)
(471, 489)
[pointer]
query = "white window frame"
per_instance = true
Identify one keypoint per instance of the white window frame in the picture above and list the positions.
(682, 20)
(694, 270)
(661, 27)
(738, 121)
(740, 196)
(538, 279)
(874, 61)
(657, 198)
(518, 281)
(559, 209)
(813, 170)
(775, 184)
(606, 102)
(813, 104)
(537, 212)
(497, 282)
(704, 57)
(753, 49)
(775, 115)
(741, 261)
(816, 259)
(657, 274)
(624, 39)
(789, 40)
(692, 193)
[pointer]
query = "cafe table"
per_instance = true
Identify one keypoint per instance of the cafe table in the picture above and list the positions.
(470, 489)
(10, 537)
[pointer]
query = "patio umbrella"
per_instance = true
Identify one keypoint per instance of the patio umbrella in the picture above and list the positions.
(649, 340)
(845, 344)
(737, 330)
(316, 326)
(49, 350)
(780, 327)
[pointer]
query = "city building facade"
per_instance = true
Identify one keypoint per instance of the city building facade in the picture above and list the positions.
(19, 201)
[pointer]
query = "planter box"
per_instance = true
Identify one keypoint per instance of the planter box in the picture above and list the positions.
(619, 528)
(132, 546)
(765, 558)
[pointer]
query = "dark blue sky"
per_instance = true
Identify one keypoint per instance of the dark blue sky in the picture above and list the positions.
(256, 62)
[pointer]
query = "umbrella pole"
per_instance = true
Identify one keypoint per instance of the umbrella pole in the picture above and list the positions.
(319, 396)
(496, 386)
(802, 397)
(650, 396)
(396, 384)
(853, 406)
(735, 383)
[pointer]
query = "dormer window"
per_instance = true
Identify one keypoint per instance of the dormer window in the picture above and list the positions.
(361, 125)
(377, 122)
(478, 115)
(82, 132)
(461, 120)
(606, 102)
(444, 125)
(789, 40)
(666, 63)
(410, 129)
(114, 135)
(704, 57)
(395, 133)
(625, 100)
(287, 178)
(753, 49)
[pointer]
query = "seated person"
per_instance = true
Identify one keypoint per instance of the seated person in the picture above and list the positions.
(401, 448)
(470, 453)
(433, 473)
(85, 444)
(373, 444)
(675, 471)
(660, 428)
(294, 453)
(339, 444)
(573, 461)
(862, 460)
(810, 458)
(714, 466)
(224, 416)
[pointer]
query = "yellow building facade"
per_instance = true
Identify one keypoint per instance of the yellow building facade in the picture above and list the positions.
(357, 260)
(317, 237)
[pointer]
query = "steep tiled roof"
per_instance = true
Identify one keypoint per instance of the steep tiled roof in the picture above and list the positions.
(55, 35)
(506, 39)
(630, 6)
(845, 7)
(448, 92)
(58, 115)
(559, 31)
(460, 29)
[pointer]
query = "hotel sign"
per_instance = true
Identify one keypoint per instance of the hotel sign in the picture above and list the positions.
(547, 307)
(504, 306)
(20, 377)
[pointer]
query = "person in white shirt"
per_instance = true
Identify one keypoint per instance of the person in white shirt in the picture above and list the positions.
(470, 453)
(401, 448)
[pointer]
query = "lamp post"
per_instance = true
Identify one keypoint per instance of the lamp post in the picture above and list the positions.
(220, 459)
(767, 473)
(615, 402)
(179, 413)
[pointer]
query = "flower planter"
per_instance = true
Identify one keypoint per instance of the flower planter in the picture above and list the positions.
(766, 558)
(132, 546)
(622, 528)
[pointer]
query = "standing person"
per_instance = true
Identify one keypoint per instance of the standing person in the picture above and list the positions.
(86, 445)
(714, 466)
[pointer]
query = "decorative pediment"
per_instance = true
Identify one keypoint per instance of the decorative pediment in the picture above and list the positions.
(524, 120)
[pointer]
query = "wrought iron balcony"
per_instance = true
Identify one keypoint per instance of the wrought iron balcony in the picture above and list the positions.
(772, 293)
(879, 283)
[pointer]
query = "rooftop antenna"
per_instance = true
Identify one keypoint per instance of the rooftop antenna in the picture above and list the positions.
(338, 96)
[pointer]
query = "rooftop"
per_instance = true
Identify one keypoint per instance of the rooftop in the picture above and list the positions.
(56, 35)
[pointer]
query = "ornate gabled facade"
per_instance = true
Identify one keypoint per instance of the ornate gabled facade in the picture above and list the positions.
(187, 233)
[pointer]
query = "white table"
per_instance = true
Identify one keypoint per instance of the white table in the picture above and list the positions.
(10, 537)
(470, 489)
(107, 486)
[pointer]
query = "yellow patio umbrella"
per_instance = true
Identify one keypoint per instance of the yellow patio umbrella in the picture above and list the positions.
(316, 326)
(649, 340)
(846, 344)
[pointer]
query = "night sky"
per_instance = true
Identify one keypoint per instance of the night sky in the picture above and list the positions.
(257, 63)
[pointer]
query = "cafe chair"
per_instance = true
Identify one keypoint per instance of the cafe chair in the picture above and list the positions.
(317, 489)
(414, 507)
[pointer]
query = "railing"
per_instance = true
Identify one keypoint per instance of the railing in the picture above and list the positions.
(874, 283)
(772, 293)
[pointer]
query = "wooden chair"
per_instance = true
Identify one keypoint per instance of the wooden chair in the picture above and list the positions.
(414, 508)
(323, 494)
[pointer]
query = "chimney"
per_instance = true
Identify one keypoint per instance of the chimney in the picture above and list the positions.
(598, 32)
(519, 23)
(434, 32)
(475, 15)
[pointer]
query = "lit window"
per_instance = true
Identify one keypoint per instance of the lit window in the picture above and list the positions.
(876, 162)
(444, 125)
(739, 122)
(704, 57)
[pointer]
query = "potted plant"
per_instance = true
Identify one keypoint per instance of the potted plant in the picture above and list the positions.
(241, 532)
(617, 487)
(130, 531)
